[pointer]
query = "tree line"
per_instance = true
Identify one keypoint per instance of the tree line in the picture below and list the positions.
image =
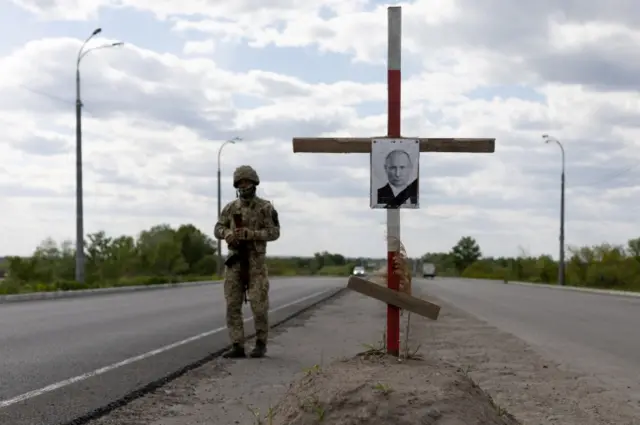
(604, 266)
(164, 254)
(161, 254)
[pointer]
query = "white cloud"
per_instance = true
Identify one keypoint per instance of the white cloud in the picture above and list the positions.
(199, 47)
(153, 121)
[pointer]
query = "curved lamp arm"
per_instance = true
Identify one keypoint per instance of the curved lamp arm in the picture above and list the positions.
(233, 141)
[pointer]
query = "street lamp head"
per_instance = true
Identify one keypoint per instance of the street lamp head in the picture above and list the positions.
(96, 31)
(548, 138)
(118, 44)
(235, 139)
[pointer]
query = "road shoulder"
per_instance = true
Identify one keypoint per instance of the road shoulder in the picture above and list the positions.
(532, 388)
(583, 289)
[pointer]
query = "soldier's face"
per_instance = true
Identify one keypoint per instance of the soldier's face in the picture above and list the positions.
(244, 184)
(398, 169)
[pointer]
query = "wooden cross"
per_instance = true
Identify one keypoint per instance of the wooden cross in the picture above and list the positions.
(363, 145)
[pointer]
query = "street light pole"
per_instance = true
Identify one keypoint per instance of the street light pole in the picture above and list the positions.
(561, 267)
(79, 198)
(233, 141)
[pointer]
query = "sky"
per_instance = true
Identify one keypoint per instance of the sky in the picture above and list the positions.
(195, 73)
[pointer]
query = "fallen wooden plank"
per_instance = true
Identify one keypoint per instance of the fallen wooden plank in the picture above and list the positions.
(398, 299)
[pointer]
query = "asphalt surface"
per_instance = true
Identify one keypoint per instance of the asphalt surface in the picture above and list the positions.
(61, 359)
(594, 333)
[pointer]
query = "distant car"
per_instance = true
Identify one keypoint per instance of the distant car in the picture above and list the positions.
(358, 271)
(429, 270)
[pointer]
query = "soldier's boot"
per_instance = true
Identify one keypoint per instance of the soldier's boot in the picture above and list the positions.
(259, 350)
(235, 352)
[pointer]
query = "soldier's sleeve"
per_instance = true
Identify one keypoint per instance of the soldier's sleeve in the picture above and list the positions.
(223, 225)
(271, 230)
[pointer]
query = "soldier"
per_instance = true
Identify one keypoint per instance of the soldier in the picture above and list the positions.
(259, 225)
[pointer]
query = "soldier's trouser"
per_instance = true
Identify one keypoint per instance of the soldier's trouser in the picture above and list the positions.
(258, 296)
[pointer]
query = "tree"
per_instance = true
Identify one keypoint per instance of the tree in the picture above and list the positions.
(125, 256)
(198, 249)
(99, 257)
(633, 246)
(599, 266)
(160, 251)
(465, 253)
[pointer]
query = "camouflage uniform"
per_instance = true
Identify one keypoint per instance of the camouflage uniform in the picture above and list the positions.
(260, 219)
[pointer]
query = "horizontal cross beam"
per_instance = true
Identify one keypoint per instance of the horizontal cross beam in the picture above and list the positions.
(363, 145)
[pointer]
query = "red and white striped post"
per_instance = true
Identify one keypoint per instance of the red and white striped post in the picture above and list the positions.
(394, 83)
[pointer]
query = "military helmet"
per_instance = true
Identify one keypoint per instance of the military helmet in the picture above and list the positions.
(245, 172)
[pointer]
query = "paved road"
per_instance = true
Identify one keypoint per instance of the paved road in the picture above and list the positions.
(594, 333)
(50, 350)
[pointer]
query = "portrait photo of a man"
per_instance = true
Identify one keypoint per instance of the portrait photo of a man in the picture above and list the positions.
(400, 170)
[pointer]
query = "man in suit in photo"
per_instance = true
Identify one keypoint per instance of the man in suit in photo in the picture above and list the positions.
(398, 191)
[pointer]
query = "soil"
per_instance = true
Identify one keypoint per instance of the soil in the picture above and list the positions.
(377, 389)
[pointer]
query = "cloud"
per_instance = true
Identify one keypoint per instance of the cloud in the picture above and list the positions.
(199, 47)
(154, 118)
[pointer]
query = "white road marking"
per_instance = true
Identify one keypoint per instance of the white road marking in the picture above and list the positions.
(103, 370)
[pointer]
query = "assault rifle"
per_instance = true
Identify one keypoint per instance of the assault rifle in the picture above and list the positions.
(241, 255)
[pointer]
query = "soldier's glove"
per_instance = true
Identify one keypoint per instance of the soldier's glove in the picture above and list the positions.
(230, 237)
(244, 234)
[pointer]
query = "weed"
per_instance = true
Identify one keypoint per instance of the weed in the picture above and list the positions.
(315, 369)
(499, 409)
(256, 415)
(258, 419)
(385, 389)
(313, 405)
(319, 411)
(375, 350)
(269, 415)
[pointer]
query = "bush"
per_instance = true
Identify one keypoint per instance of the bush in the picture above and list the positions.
(9, 287)
(483, 269)
(344, 270)
(70, 285)
(604, 266)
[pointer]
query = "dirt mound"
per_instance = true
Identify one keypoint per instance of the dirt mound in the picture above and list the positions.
(379, 390)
